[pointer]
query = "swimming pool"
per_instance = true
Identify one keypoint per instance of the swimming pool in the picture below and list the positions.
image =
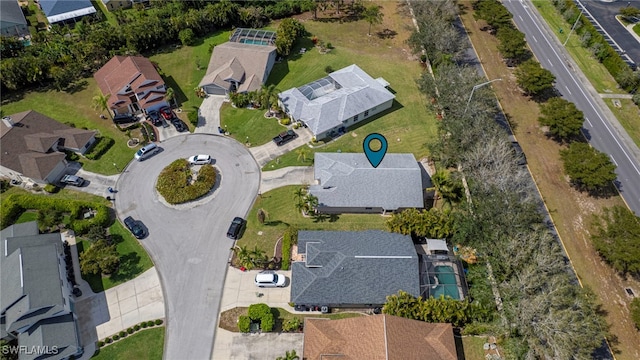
(253, 42)
(447, 284)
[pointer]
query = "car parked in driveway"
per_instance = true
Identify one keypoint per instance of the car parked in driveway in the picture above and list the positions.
(167, 113)
(235, 228)
(269, 278)
(124, 119)
(199, 159)
(179, 125)
(135, 227)
(285, 137)
(72, 180)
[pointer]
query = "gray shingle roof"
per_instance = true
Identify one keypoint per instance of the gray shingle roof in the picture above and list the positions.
(60, 10)
(353, 267)
(59, 332)
(349, 180)
(327, 102)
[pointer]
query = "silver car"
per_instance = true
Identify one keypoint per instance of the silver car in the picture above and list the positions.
(200, 159)
(73, 180)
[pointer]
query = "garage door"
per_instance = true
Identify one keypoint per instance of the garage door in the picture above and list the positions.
(214, 90)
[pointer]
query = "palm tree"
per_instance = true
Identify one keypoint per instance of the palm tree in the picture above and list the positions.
(372, 15)
(289, 355)
(170, 96)
(299, 193)
(258, 256)
(449, 189)
(268, 96)
(243, 255)
(302, 152)
(101, 102)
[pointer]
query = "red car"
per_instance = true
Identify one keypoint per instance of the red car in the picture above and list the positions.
(167, 113)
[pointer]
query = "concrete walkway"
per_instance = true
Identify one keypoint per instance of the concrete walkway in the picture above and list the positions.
(269, 151)
(240, 291)
(616, 96)
(209, 114)
(291, 175)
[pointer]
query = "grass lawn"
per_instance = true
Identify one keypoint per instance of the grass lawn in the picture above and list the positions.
(75, 108)
(142, 345)
(279, 204)
(595, 71)
(473, 347)
(242, 124)
(636, 29)
(408, 127)
(229, 318)
(27, 216)
(628, 115)
(133, 260)
(570, 210)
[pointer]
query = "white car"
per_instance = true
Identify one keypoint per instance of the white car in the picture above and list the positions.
(270, 279)
(199, 159)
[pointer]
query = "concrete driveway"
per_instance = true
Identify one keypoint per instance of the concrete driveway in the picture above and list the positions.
(269, 151)
(209, 118)
(291, 175)
(188, 244)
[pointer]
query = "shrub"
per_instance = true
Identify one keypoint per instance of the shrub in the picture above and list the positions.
(150, 323)
(257, 311)
(635, 312)
(267, 322)
(328, 69)
(158, 322)
(289, 238)
(193, 117)
(636, 99)
(51, 189)
(99, 147)
(137, 327)
(108, 340)
(187, 37)
(173, 182)
(100, 344)
(116, 337)
(244, 324)
(130, 331)
(296, 125)
(145, 135)
(144, 325)
(292, 324)
(122, 334)
(329, 46)
(285, 121)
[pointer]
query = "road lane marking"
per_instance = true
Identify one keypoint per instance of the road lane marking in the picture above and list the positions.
(605, 123)
(534, 38)
(614, 160)
(590, 124)
(521, 19)
(566, 87)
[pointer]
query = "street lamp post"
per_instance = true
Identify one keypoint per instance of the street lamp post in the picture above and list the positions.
(116, 166)
(475, 88)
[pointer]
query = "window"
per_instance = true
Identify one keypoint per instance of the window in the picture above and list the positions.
(366, 113)
(355, 118)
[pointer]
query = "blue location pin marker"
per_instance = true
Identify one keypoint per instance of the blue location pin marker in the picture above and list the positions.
(375, 157)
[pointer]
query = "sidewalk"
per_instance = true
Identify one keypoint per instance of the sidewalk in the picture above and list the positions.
(291, 175)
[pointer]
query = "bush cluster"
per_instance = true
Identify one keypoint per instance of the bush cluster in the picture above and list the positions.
(122, 334)
(285, 121)
(147, 133)
(51, 189)
(99, 147)
(596, 42)
(244, 323)
(292, 324)
(289, 238)
(15, 204)
(257, 312)
(193, 117)
(173, 182)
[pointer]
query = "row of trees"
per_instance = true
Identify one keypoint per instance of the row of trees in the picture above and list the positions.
(63, 55)
(431, 223)
(546, 315)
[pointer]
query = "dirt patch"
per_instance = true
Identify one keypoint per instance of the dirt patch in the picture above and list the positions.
(229, 318)
(571, 210)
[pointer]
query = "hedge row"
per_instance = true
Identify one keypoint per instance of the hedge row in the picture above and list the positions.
(595, 41)
(15, 204)
(261, 312)
(99, 148)
(173, 182)
(289, 238)
(129, 331)
(147, 133)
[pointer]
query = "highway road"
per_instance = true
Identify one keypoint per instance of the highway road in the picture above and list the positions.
(188, 242)
(600, 126)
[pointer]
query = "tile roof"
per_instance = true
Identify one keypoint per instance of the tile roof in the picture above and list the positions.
(349, 180)
(327, 102)
(26, 146)
(239, 62)
(378, 337)
(124, 76)
(358, 267)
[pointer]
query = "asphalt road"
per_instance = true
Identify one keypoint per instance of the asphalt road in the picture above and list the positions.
(188, 244)
(604, 12)
(599, 122)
